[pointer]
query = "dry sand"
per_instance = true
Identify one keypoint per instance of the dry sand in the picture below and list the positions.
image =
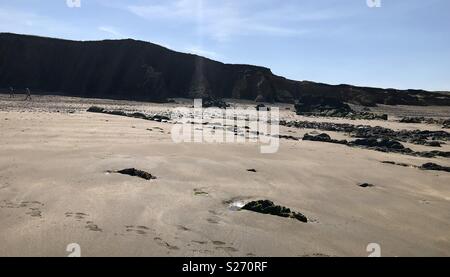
(55, 189)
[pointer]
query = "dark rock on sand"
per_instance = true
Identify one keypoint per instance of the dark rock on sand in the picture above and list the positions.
(139, 115)
(119, 113)
(323, 138)
(366, 185)
(379, 143)
(412, 120)
(137, 173)
(433, 143)
(436, 167)
(268, 207)
(399, 164)
(288, 137)
(95, 109)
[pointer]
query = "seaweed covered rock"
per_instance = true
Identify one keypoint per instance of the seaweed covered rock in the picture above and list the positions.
(268, 207)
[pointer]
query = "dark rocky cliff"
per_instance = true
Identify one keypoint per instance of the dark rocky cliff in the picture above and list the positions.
(137, 70)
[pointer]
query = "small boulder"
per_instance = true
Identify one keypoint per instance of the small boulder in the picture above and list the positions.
(137, 173)
(366, 185)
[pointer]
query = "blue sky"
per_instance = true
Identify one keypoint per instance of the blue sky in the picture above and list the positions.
(402, 44)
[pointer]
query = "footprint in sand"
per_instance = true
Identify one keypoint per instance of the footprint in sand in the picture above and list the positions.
(79, 216)
(214, 220)
(4, 186)
(163, 243)
(200, 242)
(227, 249)
(183, 228)
(140, 230)
(33, 207)
(92, 227)
(216, 242)
(200, 192)
(34, 212)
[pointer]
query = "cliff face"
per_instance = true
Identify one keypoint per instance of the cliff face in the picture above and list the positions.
(136, 70)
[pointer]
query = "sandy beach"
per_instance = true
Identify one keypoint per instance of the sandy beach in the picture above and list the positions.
(58, 186)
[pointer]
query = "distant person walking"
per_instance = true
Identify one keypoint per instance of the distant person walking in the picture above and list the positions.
(11, 92)
(28, 94)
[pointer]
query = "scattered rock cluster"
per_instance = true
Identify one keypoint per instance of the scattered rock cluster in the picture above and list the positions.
(378, 144)
(268, 207)
(429, 138)
(332, 107)
(427, 166)
(445, 123)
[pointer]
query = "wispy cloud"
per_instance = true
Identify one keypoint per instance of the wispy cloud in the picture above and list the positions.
(111, 31)
(223, 20)
(203, 52)
(27, 22)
